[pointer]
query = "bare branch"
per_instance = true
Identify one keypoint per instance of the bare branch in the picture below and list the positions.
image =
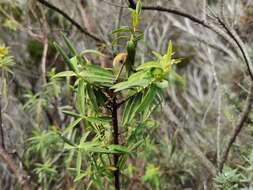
(238, 127)
(237, 41)
(65, 15)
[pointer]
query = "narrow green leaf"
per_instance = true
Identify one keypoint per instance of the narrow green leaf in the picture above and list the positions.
(92, 51)
(131, 84)
(99, 120)
(63, 54)
(122, 29)
(149, 65)
(72, 125)
(131, 109)
(79, 177)
(147, 99)
(71, 113)
(119, 148)
(106, 81)
(158, 55)
(92, 97)
(74, 64)
(138, 7)
(78, 162)
(81, 96)
(99, 71)
(64, 74)
(66, 140)
(170, 50)
(69, 45)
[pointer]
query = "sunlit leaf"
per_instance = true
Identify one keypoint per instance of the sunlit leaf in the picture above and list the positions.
(149, 65)
(64, 74)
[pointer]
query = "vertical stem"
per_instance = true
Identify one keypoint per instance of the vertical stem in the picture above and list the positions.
(115, 141)
(2, 144)
(204, 10)
(1, 125)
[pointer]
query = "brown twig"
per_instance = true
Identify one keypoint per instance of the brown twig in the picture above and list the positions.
(72, 21)
(239, 46)
(238, 127)
(116, 142)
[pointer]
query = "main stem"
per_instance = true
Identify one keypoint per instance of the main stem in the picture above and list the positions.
(115, 141)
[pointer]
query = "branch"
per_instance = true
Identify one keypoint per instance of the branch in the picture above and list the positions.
(238, 127)
(78, 26)
(116, 142)
(239, 46)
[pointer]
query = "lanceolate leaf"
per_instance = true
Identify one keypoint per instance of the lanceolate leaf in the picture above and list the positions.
(96, 70)
(122, 29)
(96, 78)
(92, 97)
(73, 124)
(131, 108)
(147, 99)
(99, 120)
(64, 74)
(69, 45)
(131, 84)
(149, 65)
(74, 63)
(118, 148)
(91, 51)
(71, 113)
(81, 96)
(78, 162)
(63, 54)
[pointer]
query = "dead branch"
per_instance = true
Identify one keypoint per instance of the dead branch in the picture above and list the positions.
(238, 127)
(72, 21)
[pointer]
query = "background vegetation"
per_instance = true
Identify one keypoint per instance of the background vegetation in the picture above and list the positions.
(55, 129)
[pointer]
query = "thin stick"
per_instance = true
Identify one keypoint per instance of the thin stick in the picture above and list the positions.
(45, 49)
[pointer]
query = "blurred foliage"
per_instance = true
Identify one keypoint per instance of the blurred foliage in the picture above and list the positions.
(70, 146)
